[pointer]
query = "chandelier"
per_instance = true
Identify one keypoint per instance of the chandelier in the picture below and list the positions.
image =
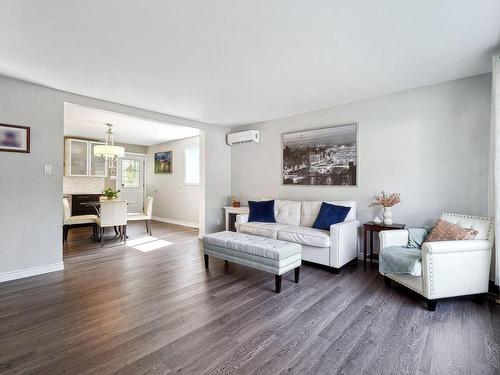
(109, 151)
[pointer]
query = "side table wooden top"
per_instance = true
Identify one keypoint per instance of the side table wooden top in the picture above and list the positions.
(382, 226)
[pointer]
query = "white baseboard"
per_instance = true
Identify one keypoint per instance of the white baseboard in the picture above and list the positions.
(33, 271)
(178, 222)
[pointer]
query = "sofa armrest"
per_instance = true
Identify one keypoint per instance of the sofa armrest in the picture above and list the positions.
(344, 225)
(343, 242)
(398, 237)
(445, 247)
(240, 219)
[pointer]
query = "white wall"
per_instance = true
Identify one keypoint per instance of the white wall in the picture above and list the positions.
(30, 202)
(430, 144)
(173, 200)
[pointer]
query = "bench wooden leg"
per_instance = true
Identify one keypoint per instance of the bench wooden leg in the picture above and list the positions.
(206, 260)
(278, 283)
(431, 304)
(297, 274)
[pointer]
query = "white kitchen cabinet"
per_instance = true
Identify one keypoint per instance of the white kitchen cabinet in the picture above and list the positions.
(98, 166)
(80, 159)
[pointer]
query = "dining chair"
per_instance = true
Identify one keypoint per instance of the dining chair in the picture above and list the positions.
(146, 215)
(113, 213)
(76, 221)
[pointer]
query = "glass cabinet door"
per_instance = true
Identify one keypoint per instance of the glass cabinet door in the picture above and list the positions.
(78, 158)
(97, 164)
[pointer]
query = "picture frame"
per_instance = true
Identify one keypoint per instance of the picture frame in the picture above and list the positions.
(14, 138)
(163, 162)
(326, 156)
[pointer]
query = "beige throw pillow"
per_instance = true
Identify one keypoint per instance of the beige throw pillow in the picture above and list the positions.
(445, 231)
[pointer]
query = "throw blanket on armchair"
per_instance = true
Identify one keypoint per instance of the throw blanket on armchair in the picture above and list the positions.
(405, 259)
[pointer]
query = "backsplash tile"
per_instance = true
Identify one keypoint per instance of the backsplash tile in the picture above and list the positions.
(83, 185)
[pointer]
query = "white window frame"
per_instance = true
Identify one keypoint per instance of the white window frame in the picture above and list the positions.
(186, 165)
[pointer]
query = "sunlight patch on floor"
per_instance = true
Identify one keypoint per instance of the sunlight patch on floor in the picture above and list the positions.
(148, 243)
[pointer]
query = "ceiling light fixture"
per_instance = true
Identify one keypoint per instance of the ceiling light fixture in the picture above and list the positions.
(109, 151)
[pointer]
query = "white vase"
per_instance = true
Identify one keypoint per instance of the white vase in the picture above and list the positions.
(387, 216)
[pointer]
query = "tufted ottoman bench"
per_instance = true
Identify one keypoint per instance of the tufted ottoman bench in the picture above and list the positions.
(265, 254)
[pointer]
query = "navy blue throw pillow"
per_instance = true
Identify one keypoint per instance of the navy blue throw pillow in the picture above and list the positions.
(262, 211)
(330, 214)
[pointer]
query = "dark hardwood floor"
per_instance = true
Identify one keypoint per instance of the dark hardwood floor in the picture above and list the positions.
(121, 310)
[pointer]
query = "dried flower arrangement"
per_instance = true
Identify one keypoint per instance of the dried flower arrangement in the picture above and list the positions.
(385, 200)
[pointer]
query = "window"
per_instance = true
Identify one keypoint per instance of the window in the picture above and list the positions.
(130, 173)
(192, 166)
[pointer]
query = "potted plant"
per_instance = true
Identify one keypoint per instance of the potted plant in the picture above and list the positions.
(387, 201)
(110, 193)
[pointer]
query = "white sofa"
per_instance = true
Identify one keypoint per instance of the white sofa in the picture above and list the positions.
(333, 248)
(449, 268)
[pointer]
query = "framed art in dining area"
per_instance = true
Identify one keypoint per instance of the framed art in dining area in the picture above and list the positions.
(163, 162)
(325, 157)
(14, 138)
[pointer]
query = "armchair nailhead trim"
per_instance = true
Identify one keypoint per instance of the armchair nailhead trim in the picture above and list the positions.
(431, 286)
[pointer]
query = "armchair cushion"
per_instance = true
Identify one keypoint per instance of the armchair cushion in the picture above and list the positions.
(446, 231)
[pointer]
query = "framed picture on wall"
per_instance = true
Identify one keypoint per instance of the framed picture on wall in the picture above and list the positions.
(327, 156)
(163, 162)
(14, 138)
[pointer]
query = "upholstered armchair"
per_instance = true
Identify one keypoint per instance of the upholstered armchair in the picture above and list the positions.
(146, 215)
(449, 268)
(77, 221)
(113, 213)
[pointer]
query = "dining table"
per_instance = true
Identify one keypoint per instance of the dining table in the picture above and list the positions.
(97, 204)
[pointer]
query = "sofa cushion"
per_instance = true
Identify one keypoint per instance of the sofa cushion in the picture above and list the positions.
(310, 210)
(305, 236)
(269, 230)
(330, 214)
(261, 211)
(287, 212)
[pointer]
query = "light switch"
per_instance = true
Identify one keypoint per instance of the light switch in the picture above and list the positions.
(48, 169)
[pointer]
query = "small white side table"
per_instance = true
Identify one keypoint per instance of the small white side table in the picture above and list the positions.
(235, 211)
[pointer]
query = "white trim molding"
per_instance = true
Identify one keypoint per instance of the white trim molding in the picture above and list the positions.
(33, 271)
(494, 199)
(177, 222)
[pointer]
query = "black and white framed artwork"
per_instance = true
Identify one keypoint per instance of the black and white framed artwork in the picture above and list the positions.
(327, 156)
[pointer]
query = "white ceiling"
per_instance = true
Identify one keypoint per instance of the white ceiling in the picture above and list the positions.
(235, 62)
(86, 122)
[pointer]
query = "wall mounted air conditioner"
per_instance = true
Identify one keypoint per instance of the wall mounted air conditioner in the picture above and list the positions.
(243, 137)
